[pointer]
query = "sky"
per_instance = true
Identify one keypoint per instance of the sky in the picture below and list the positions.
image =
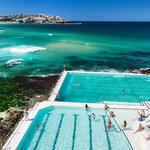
(81, 10)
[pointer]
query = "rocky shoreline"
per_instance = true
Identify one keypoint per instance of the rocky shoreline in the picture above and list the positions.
(26, 91)
(145, 71)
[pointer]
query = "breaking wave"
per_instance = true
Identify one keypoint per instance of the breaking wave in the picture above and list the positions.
(50, 34)
(24, 49)
(12, 62)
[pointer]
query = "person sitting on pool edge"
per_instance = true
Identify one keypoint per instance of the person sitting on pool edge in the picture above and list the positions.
(109, 124)
(143, 113)
(140, 129)
(106, 107)
(124, 124)
(86, 106)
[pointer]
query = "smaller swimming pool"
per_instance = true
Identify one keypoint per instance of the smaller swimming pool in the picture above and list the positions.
(64, 128)
(97, 88)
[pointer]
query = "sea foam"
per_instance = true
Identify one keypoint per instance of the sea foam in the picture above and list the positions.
(12, 62)
(50, 34)
(24, 49)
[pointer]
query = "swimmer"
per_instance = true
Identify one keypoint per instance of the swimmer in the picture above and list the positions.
(77, 84)
(58, 96)
(93, 116)
(37, 126)
(109, 124)
(124, 90)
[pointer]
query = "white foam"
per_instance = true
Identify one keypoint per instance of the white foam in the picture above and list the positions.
(24, 49)
(12, 62)
(50, 34)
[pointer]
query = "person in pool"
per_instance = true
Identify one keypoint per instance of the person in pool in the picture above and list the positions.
(77, 84)
(93, 116)
(37, 126)
(109, 124)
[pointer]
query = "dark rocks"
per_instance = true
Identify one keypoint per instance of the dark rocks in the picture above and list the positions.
(145, 71)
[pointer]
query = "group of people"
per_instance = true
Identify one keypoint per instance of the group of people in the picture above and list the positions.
(141, 118)
(112, 115)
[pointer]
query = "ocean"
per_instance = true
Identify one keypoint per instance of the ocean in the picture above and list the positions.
(30, 49)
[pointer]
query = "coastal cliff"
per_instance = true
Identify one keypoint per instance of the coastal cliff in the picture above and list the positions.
(32, 19)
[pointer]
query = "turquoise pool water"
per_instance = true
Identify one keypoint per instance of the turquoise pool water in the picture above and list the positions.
(96, 88)
(62, 128)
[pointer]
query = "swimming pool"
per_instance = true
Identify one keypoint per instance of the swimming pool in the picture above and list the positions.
(97, 88)
(64, 128)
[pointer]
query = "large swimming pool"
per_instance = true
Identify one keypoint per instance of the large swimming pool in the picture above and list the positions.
(64, 128)
(97, 88)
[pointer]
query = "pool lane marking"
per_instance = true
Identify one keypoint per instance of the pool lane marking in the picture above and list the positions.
(74, 131)
(42, 130)
(90, 132)
(58, 131)
(107, 136)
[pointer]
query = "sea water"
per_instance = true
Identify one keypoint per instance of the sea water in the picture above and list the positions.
(44, 49)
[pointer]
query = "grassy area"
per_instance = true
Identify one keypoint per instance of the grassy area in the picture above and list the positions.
(17, 92)
(11, 94)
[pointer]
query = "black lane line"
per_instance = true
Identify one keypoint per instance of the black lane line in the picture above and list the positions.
(58, 131)
(107, 136)
(42, 131)
(74, 131)
(90, 132)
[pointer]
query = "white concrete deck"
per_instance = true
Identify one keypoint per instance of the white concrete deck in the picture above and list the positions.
(124, 111)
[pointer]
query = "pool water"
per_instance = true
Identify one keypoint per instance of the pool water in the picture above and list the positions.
(64, 128)
(97, 88)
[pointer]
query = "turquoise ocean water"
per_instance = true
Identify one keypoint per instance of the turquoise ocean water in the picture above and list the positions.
(44, 49)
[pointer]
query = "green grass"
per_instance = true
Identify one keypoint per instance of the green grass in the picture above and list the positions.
(18, 91)
(11, 94)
